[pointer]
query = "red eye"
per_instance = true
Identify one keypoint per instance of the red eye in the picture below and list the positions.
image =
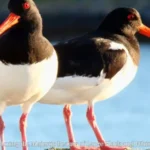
(130, 16)
(26, 5)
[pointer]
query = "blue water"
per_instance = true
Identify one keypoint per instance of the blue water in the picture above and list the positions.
(123, 118)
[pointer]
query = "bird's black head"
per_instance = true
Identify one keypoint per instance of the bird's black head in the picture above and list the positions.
(21, 7)
(20, 11)
(124, 21)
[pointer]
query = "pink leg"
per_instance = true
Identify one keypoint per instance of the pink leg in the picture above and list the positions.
(67, 116)
(23, 120)
(2, 126)
(93, 124)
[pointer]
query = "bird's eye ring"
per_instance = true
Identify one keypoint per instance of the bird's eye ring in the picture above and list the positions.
(26, 5)
(131, 16)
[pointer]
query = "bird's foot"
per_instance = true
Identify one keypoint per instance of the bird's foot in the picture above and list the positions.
(114, 148)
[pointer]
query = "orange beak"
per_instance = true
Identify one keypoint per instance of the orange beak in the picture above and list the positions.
(144, 30)
(9, 22)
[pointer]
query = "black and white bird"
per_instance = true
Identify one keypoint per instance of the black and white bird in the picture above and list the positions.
(28, 62)
(96, 66)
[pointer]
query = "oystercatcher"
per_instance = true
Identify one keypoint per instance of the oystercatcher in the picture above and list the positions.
(96, 66)
(28, 62)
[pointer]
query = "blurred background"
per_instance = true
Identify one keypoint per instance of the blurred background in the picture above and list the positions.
(124, 118)
(64, 19)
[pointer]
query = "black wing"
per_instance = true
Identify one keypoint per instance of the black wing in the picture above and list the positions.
(86, 56)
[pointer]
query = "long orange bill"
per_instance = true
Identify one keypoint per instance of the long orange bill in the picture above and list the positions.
(9, 22)
(144, 30)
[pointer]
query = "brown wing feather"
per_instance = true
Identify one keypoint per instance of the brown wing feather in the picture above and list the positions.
(114, 61)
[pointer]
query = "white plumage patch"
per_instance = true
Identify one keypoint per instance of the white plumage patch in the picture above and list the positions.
(117, 46)
(81, 89)
(26, 83)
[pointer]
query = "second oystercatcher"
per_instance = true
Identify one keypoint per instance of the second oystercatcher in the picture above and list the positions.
(28, 62)
(96, 66)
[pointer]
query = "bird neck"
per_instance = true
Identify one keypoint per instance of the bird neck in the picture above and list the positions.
(126, 31)
(32, 26)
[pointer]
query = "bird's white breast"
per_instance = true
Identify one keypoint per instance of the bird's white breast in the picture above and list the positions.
(110, 87)
(19, 83)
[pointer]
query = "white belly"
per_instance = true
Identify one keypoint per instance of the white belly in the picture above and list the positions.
(121, 80)
(19, 83)
(81, 90)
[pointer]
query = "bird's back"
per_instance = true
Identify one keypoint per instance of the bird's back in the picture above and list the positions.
(80, 56)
